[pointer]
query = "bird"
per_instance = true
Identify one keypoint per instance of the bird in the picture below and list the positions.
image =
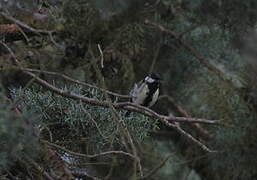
(146, 92)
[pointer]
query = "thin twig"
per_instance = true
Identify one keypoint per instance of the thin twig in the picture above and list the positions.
(92, 119)
(102, 56)
(120, 122)
(75, 81)
(159, 166)
(49, 132)
(156, 54)
(189, 136)
(108, 176)
(22, 24)
(29, 28)
(23, 33)
(39, 168)
(50, 33)
(58, 147)
(204, 133)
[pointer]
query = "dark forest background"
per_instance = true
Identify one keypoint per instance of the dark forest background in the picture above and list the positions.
(66, 69)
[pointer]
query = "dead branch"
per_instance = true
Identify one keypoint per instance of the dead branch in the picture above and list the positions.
(18, 25)
(204, 133)
(23, 25)
(92, 119)
(59, 168)
(102, 55)
(159, 166)
(39, 168)
(60, 148)
(8, 28)
(75, 81)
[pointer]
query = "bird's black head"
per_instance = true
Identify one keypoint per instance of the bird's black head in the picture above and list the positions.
(155, 76)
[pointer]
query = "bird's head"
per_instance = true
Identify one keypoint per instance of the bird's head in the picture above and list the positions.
(153, 77)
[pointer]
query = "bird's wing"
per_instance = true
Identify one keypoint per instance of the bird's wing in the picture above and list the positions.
(140, 92)
(132, 92)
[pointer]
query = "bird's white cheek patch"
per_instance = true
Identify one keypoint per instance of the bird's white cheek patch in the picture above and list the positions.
(148, 79)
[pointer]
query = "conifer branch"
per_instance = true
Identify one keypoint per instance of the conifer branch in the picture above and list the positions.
(125, 105)
(167, 120)
(128, 106)
(122, 105)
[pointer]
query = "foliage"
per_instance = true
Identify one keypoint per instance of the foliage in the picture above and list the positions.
(15, 133)
(235, 15)
(235, 140)
(130, 50)
(205, 95)
(83, 120)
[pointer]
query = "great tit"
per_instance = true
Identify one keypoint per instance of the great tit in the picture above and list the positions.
(146, 92)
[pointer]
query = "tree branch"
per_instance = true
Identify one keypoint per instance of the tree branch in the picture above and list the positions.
(127, 105)
(120, 105)
(123, 105)
(75, 81)
(23, 25)
(204, 133)
(159, 166)
(39, 168)
(85, 155)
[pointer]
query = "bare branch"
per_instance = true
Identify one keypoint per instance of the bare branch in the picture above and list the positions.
(203, 132)
(60, 148)
(102, 56)
(39, 168)
(75, 81)
(189, 136)
(29, 28)
(159, 166)
(92, 119)
(22, 24)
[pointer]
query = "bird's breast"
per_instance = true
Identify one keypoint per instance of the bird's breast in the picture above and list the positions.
(154, 98)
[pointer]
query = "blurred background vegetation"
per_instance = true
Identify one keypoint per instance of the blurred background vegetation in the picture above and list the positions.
(39, 129)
